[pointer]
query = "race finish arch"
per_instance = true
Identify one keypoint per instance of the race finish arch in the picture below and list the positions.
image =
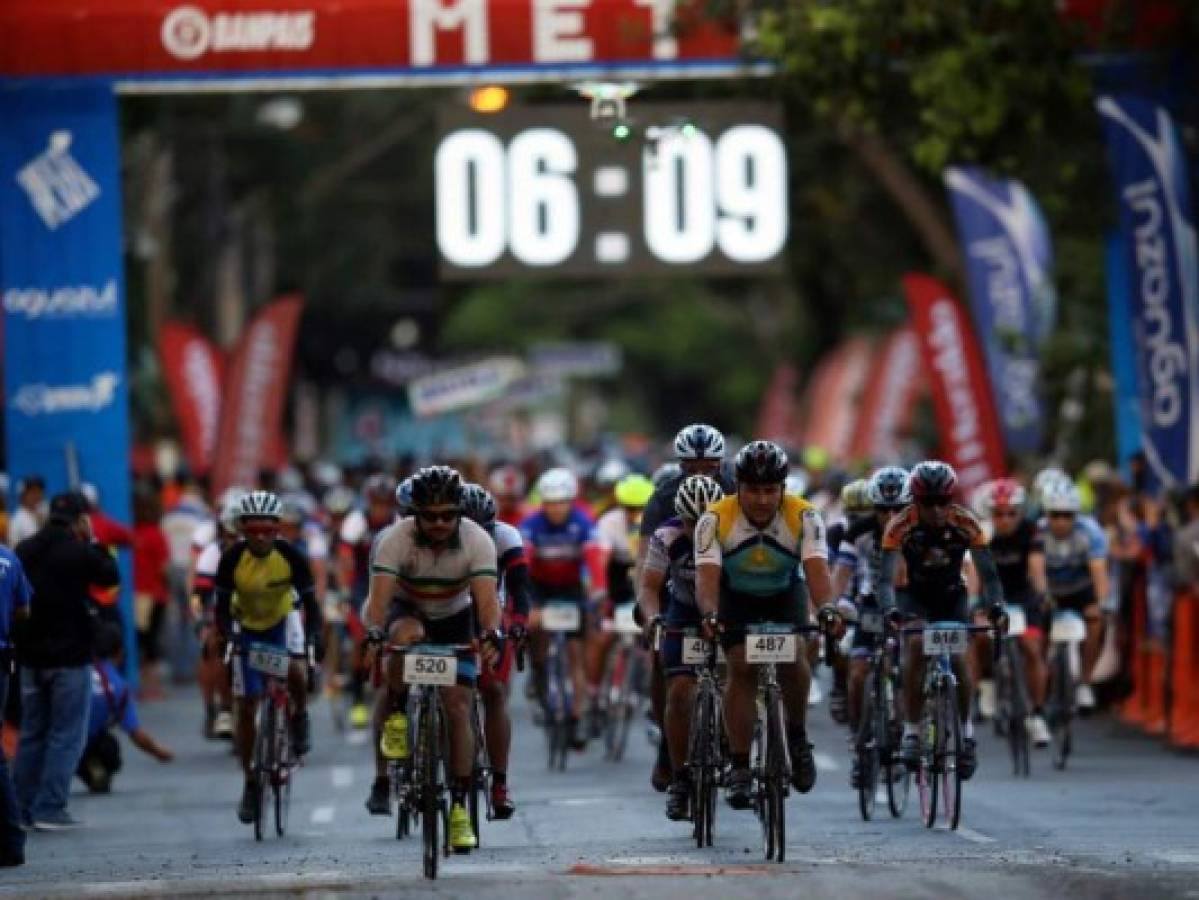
(63, 64)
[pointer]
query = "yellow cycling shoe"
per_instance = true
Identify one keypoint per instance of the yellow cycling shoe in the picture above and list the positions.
(462, 836)
(360, 716)
(393, 743)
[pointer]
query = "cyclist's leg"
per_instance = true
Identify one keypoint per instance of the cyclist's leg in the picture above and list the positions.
(457, 701)
(739, 710)
(1033, 649)
(680, 701)
(859, 668)
(576, 662)
(493, 689)
(1092, 645)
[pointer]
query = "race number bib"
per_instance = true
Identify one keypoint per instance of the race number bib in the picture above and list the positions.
(268, 659)
(1017, 623)
(695, 650)
(623, 621)
(771, 647)
(561, 617)
(871, 622)
(944, 640)
(430, 668)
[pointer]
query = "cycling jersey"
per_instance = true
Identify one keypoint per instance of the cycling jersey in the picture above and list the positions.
(860, 551)
(759, 562)
(672, 553)
(1011, 554)
(934, 555)
(513, 569)
(563, 557)
(434, 580)
(1067, 562)
(356, 540)
(661, 505)
(263, 590)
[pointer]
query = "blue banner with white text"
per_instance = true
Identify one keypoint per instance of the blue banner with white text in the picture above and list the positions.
(1157, 232)
(65, 381)
(1008, 262)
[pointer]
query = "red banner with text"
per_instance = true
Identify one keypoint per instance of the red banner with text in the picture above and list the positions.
(894, 385)
(193, 367)
(255, 394)
(961, 396)
(778, 418)
(833, 397)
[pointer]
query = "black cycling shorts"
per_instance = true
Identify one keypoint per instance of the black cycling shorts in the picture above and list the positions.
(456, 629)
(738, 610)
(542, 595)
(935, 605)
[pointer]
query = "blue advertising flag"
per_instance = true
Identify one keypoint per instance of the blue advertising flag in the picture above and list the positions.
(1157, 232)
(65, 382)
(1127, 395)
(1008, 261)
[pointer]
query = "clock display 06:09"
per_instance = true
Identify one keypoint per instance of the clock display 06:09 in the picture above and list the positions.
(699, 194)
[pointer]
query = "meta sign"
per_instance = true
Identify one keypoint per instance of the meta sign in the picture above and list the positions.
(542, 191)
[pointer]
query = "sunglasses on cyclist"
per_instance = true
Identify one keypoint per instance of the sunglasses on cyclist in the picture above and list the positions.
(1061, 515)
(263, 529)
(934, 501)
(433, 516)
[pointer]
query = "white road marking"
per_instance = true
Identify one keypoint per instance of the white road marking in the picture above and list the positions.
(577, 801)
(322, 815)
(969, 834)
(826, 763)
(343, 776)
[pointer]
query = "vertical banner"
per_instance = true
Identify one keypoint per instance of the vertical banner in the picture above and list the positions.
(1158, 235)
(193, 367)
(66, 398)
(889, 400)
(777, 417)
(834, 395)
(255, 392)
(1126, 396)
(965, 416)
(1008, 261)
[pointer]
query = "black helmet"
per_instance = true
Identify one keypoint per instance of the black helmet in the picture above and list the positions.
(478, 504)
(762, 462)
(436, 486)
(933, 479)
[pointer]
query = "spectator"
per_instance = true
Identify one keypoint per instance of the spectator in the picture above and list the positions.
(1186, 542)
(112, 535)
(30, 513)
(54, 648)
(151, 562)
(184, 514)
(14, 603)
(112, 704)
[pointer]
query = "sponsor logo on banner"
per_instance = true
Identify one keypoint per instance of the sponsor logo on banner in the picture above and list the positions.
(188, 32)
(47, 399)
(1163, 273)
(81, 301)
(463, 387)
(965, 416)
(57, 185)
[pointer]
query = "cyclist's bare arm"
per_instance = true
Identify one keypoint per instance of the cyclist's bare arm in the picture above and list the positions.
(382, 589)
(487, 604)
(649, 593)
(1036, 573)
(820, 584)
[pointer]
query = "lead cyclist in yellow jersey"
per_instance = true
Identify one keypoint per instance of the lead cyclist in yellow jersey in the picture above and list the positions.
(750, 550)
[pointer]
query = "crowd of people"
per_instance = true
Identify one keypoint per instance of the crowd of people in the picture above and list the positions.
(335, 567)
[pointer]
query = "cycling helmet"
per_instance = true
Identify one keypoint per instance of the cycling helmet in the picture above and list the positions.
(933, 479)
(1006, 492)
(231, 512)
(1061, 497)
(259, 505)
(507, 481)
(889, 488)
(291, 511)
(478, 504)
(435, 486)
(797, 483)
(404, 497)
(665, 473)
(557, 485)
(634, 491)
(855, 497)
(379, 487)
(338, 500)
(611, 471)
(695, 495)
(699, 441)
(762, 462)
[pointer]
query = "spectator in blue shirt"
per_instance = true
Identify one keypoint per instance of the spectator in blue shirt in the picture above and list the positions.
(14, 603)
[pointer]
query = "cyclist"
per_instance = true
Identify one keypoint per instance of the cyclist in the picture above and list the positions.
(1076, 570)
(357, 536)
(432, 574)
(262, 583)
(857, 516)
(670, 564)
(855, 576)
(608, 474)
(757, 553)
(698, 450)
(932, 535)
(507, 484)
(214, 674)
(565, 562)
(1019, 555)
(479, 506)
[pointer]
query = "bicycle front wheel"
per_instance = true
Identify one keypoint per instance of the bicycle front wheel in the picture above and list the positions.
(951, 755)
(1062, 681)
(926, 775)
(867, 753)
(777, 776)
(430, 731)
(264, 764)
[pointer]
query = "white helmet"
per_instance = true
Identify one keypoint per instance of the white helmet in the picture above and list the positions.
(230, 514)
(1061, 497)
(699, 441)
(1046, 478)
(611, 471)
(260, 505)
(695, 495)
(557, 485)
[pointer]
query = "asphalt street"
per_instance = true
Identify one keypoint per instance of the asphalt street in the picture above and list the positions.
(1121, 822)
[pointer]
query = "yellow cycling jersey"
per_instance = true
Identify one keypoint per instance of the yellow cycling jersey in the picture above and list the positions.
(263, 590)
(761, 562)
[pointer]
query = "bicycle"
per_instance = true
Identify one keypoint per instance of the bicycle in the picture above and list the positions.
(1013, 702)
(428, 667)
(879, 728)
(558, 618)
(767, 645)
(625, 681)
(941, 727)
(1066, 634)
